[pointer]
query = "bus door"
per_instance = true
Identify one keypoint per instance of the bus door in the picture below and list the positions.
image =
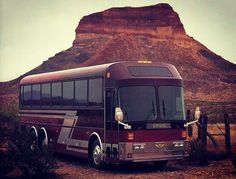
(111, 148)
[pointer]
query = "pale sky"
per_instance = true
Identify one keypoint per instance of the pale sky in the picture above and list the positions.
(31, 31)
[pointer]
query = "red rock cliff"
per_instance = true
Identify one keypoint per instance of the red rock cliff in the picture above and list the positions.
(158, 20)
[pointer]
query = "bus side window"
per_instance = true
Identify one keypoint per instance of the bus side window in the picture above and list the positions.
(68, 93)
(56, 98)
(46, 94)
(27, 95)
(95, 97)
(36, 95)
(81, 94)
(21, 95)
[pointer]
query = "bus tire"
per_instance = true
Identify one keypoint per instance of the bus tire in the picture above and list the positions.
(33, 139)
(160, 164)
(96, 155)
(43, 140)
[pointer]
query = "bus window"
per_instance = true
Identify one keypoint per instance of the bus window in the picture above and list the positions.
(21, 95)
(138, 103)
(36, 95)
(95, 92)
(46, 88)
(56, 94)
(81, 92)
(171, 103)
(68, 93)
(27, 95)
(150, 71)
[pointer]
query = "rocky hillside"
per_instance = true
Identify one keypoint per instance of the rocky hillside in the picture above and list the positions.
(154, 33)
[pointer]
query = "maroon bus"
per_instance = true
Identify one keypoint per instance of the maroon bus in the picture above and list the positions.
(110, 113)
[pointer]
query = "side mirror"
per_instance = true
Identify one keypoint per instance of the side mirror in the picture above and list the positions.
(118, 114)
(197, 113)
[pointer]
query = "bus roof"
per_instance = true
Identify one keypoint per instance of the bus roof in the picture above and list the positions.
(97, 71)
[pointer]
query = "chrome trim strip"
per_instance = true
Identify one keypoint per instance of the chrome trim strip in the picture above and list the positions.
(68, 112)
(77, 143)
(77, 150)
(57, 125)
(42, 116)
(166, 157)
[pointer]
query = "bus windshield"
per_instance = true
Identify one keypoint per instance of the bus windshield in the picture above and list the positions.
(171, 103)
(138, 103)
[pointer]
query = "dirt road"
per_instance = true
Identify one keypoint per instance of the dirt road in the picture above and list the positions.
(70, 167)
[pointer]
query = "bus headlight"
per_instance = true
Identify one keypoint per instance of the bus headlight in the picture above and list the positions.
(178, 144)
(138, 146)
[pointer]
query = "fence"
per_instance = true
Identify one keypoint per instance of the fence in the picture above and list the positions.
(203, 133)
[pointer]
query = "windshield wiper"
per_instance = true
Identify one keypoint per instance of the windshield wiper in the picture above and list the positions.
(126, 114)
(153, 110)
(164, 109)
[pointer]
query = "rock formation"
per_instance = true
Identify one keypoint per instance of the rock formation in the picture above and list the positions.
(158, 21)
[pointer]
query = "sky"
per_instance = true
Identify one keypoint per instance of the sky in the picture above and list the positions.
(31, 31)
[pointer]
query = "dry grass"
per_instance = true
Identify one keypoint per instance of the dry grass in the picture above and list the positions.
(220, 140)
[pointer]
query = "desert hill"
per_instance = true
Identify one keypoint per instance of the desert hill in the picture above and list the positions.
(154, 33)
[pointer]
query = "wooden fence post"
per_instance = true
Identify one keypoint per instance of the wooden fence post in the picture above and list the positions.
(204, 131)
(190, 128)
(199, 128)
(227, 134)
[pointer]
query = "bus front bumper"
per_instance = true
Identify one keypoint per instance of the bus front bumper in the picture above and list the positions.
(153, 151)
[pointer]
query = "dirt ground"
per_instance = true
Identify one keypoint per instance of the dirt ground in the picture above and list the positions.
(70, 167)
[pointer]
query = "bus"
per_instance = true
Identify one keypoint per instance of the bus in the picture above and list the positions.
(110, 113)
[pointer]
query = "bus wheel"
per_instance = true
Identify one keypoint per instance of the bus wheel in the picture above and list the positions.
(33, 140)
(96, 155)
(43, 141)
(160, 164)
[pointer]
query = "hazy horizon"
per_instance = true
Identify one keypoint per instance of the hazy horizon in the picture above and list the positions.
(32, 31)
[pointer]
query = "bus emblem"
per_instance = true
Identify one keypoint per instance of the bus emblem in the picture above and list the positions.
(159, 145)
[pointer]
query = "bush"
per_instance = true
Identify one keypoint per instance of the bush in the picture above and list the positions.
(31, 163)
(9, 112)
(198, 153)
(6, 165)
(8, 122)
(234, 159)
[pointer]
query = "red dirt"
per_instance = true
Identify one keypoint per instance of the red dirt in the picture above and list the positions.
(76, 168)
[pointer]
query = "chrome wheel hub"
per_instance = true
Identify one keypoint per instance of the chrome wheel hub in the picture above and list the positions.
(33, 146)
(97, 155)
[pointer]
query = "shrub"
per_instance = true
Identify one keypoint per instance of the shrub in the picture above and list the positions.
(6, 165)
(31, 163)
(198, 153)
(8, 122)
(234, 159)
